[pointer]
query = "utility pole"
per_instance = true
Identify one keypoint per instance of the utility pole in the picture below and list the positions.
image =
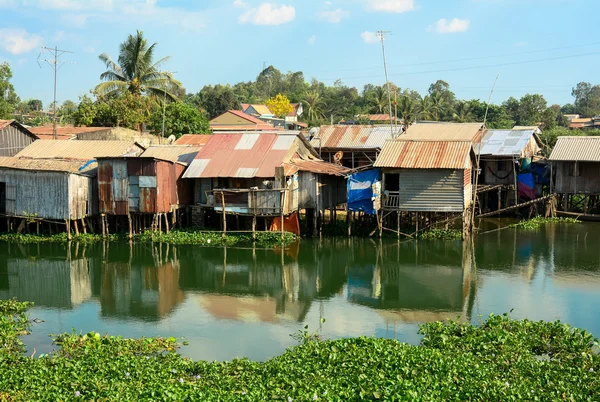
(381, 35)
(56, 65)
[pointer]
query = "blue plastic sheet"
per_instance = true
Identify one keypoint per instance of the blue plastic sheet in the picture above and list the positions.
(526, 185)
(360, 191)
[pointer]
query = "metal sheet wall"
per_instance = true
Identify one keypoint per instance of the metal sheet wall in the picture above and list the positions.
(105, 190)
(13, 140)
(49, 195)
(431, 190)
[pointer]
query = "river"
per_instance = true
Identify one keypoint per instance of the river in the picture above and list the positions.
(245, 302)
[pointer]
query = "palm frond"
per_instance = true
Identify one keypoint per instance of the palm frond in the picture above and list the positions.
(110, 87)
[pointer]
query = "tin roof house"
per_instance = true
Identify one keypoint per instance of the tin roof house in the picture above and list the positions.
(95, 134)
(55, 180)
(576, 162)
(264, 174)
(14, 137)
(289, 121)
(352, 146)
(148, 184)
(235, 120)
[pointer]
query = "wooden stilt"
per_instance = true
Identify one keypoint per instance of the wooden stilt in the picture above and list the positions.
(76, 227)
(37, 227)
(130, 222)
(68, 226)
(398, 224)
(254, 227)
(224, 214)
(21, 226)
(166, 223)
(315, 222)
(349, 216)
(282, 204)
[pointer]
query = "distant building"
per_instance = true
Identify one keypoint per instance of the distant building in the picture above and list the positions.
(96, 134)
(14, 137)
(235, 120)
(290, 121)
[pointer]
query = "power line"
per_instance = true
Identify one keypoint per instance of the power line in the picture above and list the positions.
(473, 67)
(56, 65)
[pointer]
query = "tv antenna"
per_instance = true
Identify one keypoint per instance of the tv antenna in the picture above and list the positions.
(381, 35)
(56, 64)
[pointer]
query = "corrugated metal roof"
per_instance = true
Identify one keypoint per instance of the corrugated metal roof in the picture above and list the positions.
(354, 136)
(59, 136)
(183, 154)
(5, 123)
(534, 128)
(424, 154)
(585, 149)
(83, 150)
(262, 109)
(67, 130)
(193, 139)
(240, 114)
(380, 117)
(54, 165)
(249, 127)
(230, 155)
(434, 131)
(505, 142)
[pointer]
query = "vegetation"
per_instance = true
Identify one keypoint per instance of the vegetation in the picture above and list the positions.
(441, 234)
(186, 236)
(502, 359)
(280, 105)
(8, 97)
(538, 221)
(180, 118)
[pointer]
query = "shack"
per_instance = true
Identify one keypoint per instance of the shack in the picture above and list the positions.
(147, 188)
(424, 176)
(14, 137)
(79, 150)
(236, 120)
(576, 163)
(505, 163)
(352, 146)
(95, 134)
(263, 175)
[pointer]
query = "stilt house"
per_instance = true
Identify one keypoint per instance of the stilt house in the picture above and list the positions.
(353, 146)
(14, 137)
(264, 174)
(150, 184)
(576, 161)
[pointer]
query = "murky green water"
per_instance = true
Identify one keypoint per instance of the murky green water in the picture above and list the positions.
(246, 302)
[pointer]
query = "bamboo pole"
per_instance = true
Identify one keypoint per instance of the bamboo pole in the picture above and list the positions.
(68, 225)
(224, 214)
(281, 208)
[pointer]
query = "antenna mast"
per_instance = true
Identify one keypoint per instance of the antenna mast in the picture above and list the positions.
(56, 65)
(381, 35)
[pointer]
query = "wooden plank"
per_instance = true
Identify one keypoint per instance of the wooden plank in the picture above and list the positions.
(524, 204)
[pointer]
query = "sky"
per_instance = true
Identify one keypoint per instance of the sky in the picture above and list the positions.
(533, 46)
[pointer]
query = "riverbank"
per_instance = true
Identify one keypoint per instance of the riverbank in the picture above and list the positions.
(503, 359)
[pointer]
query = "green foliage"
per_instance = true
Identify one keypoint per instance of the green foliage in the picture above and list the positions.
(587, 99)
(503, 359)
(215, 100)
(125, 110)
(19, 238)
(538, 221)
(441, 234)
(8, 97)
(180, 118)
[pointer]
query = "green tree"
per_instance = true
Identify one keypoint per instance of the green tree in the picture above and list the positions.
(268, 82)
(180, 118)
(136, 72)
(279, 105)
(85, 113)
(497, 115)
(313, 106)
(217, 99)
(66, 111)
(340, 101)
(587, 99)
(408, 110)
(8, 97)
(379, 100)
(531, 109)
(439, 106)
(463, 112)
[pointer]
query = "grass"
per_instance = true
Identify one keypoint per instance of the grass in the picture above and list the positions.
(538, 221)
(500, 360)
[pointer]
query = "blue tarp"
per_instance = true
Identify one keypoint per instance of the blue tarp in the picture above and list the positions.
(360, 192)
(526, 185)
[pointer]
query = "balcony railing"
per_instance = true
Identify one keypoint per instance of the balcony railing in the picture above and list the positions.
(249, 201)
(391, 199)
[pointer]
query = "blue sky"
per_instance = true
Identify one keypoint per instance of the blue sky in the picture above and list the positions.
(536, 46)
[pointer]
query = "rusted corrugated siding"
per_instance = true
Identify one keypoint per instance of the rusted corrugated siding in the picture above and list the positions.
(354, 136)
(148, 200)
(13, 138)
(105, 193)
(185, 188)
(425, 154)
(166, 190)
(141, 167)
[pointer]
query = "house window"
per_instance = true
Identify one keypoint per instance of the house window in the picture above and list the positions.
(574, 170)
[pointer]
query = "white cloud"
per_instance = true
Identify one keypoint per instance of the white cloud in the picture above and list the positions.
(453, 26)
(311, 41)
(269, 14)
(240, 4)
(18, 41)
(369, 37)
(8, 3)
(334, 16)
(390, 6)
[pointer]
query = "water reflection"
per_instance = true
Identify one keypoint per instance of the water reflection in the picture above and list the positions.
(231, 302)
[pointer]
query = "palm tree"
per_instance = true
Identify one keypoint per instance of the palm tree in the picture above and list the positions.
(379, 99)
(463, 112)
(438, 105)
(408, 110)
(426, 109)
(136, 71)
(313, 102)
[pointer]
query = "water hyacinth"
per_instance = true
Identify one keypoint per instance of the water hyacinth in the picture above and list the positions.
(77, 394)
(181, 380)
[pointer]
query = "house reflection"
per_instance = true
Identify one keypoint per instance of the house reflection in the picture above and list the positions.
(139, 280)
(52, 276)
(415, 282)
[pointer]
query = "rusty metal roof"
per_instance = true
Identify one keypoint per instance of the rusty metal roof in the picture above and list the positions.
(22, 128)
(585, 149)
(425, 154)
(247, 155)
(48, 130)
(505, 142)
(59, 136)
(192, 139)
(354, 136)
(83, 150)
(435, 131)
(5, 123)
(50, 165)
(183, 154)
(249, 127)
